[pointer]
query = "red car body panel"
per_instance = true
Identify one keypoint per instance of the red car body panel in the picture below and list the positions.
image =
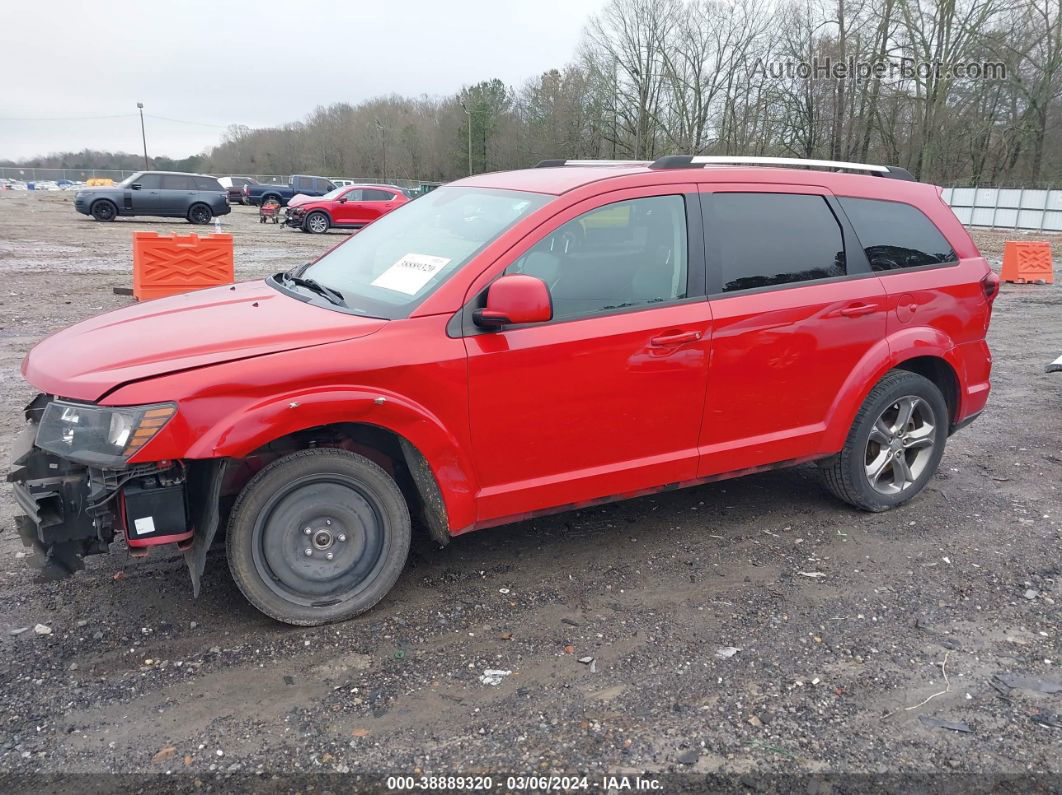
(532, 419)
(181, 332)
(344, 212)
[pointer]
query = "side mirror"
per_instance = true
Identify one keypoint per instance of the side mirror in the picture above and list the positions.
(514, 299)
(342, 199)
(135, 186)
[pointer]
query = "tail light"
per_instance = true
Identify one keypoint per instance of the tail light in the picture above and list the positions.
(990, 284)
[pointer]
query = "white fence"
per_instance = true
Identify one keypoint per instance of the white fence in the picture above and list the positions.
(1007, 208)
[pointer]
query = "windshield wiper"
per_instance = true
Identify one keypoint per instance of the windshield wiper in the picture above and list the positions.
(332, 294)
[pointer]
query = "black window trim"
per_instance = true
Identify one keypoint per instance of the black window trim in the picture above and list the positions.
(461, 323)
(857, 266)
(911, 268)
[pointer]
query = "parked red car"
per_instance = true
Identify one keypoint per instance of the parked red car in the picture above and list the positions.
(351, 207)
(509, 345)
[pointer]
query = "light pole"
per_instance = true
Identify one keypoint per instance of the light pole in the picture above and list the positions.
(143, 135)
(469, 114)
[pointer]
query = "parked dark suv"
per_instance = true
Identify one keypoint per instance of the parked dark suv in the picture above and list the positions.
(168, 194)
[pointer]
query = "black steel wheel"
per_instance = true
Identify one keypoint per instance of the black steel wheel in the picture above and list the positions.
(318, 536)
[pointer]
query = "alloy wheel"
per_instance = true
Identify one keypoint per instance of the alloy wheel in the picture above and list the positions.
(900, 445)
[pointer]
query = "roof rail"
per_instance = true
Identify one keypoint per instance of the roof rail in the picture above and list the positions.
(692, 161)
(559, 163)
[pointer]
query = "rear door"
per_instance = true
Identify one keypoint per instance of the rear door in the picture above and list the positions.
(795, 310)
(177, 193)
(606, 398)
(376, 202)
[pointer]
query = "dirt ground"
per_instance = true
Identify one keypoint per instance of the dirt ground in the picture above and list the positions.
(908, 615)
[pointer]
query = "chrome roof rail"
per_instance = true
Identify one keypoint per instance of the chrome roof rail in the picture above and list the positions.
(694, 161)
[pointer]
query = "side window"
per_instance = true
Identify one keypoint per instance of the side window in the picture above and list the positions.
(206, 183)
(627, 254)
(770, 239)
(150, 181)
(177, 182)
(353, 195)
(323, 185)
(896, 235)
(376, 195)
(301, 183)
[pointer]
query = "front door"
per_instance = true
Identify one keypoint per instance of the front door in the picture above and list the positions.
(144, 199)
(346, 213)
(606, 398)
(795, 311)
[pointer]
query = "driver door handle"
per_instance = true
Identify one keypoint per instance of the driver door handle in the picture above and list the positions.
(675, 338)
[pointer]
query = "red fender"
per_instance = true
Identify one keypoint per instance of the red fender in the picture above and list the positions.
(907, 343)
(253, 426)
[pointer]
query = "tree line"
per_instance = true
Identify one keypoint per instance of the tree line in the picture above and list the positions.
(956, 91)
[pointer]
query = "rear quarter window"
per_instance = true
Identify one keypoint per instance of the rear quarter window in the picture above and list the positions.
(896, 235)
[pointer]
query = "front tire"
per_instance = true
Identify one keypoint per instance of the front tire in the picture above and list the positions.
(199, 214)
(104, 210)
(316, 223)
(356, 548)
(894, 446)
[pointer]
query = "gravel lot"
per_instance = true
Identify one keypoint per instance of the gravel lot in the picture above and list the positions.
(929, 601)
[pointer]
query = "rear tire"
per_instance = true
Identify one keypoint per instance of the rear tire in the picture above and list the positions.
(104, 210)
(894, 446)
(199, 214)
(358, 540)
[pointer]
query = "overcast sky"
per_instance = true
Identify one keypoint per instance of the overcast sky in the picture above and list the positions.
(256, 63)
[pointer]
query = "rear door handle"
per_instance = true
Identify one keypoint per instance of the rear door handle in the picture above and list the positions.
(677, 338)
(857, 310)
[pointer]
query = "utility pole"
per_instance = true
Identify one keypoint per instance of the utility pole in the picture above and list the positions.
(143, 135)
(468, 113)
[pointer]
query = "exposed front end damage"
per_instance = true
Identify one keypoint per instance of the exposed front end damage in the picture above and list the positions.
(72, 509)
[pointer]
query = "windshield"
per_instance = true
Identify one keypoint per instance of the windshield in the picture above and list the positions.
(394, 263)
(130, 179)
(333, 194)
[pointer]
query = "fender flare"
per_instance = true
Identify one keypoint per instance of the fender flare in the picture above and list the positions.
(251, 426)
(884, 355)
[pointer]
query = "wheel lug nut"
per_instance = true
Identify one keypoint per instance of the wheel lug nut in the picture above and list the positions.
(328, 556)
(328, 522)
(306, 531)
(342, 537)
(308, 552)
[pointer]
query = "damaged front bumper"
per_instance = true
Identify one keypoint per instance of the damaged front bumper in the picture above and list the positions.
(71, 510)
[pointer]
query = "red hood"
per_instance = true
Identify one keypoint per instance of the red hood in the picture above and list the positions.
(300, 199)
(180, 332)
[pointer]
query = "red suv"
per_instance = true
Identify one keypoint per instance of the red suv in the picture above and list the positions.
(351, 207)
(509, 345)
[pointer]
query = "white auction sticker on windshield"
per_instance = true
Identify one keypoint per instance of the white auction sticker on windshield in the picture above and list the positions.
(410, 273)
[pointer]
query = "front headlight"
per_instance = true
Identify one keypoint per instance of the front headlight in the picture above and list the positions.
(101, 436)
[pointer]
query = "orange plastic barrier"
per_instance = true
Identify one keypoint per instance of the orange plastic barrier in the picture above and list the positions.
(1027, 262)
(170, 264)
